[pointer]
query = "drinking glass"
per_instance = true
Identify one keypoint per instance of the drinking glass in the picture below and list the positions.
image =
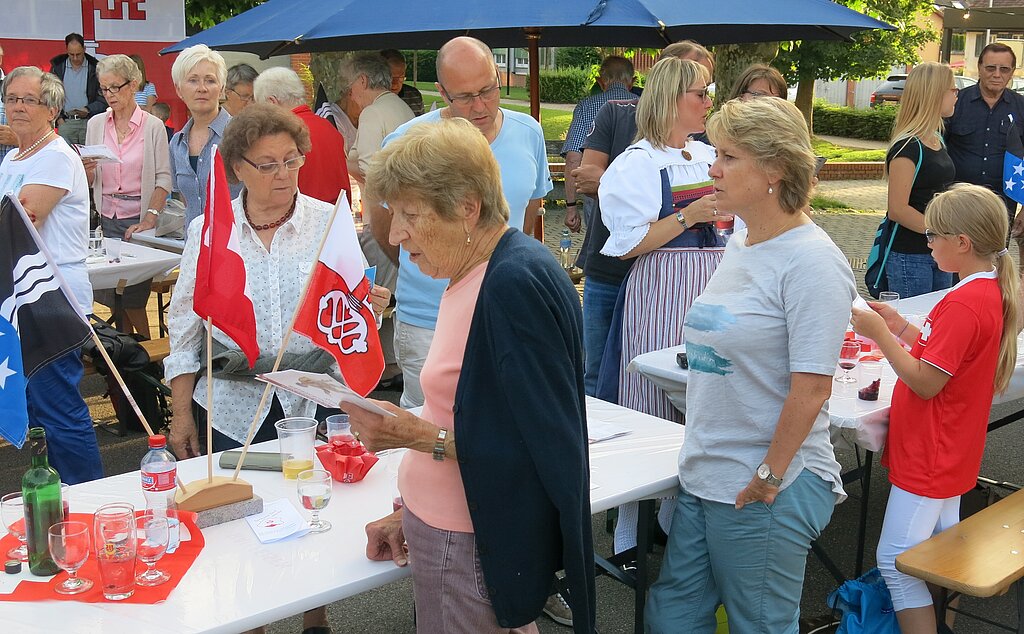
(116, 549)
(113, 246)
(295, 437)
(338, 426)
(848, 356)
(151, 534)
(314, 493)
(12, 511)
(890, 297)
(65, 498)
(69, 548)
(96, 241)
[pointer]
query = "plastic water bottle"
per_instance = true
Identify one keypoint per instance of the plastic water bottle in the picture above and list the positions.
(563, 250)
(159, 477)
(724, 227)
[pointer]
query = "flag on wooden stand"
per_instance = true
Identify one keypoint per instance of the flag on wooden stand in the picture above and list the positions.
(336, 313)
(39, 320)
(222, 293)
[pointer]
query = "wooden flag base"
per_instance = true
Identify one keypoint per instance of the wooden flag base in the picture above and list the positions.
(203, 494)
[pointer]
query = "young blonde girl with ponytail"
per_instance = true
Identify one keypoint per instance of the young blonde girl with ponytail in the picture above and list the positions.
(961, 356)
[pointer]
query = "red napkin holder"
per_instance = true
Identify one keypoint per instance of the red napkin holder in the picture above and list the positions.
(346, 460)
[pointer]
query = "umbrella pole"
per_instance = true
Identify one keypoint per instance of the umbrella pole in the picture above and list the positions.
(533, 41)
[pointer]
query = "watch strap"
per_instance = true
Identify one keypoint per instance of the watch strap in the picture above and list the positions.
(442, 435)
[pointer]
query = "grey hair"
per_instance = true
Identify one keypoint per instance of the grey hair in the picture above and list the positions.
(120, 65)
(372, 65)
(193, 55)
(51, 88)
(240, 74)
(283, 84)
(615, 68)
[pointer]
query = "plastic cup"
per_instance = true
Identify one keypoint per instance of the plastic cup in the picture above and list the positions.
(116, 549)
(113, 246)
(870, 371)
(338, 426)
(295, 437)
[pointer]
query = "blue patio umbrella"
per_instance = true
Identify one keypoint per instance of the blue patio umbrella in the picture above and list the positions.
(293, 26)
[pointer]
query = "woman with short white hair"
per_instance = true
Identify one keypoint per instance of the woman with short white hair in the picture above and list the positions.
(198, 75)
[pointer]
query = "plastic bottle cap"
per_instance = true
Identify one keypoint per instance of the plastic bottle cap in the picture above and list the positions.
(157, 441)
(12, 567)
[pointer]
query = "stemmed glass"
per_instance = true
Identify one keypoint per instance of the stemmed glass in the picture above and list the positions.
(151, 534)
(314, 493)
(69, 547)
(12, 511)
(848, 356)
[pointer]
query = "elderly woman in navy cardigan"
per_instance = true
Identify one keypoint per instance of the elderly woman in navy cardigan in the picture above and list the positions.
(497, 477)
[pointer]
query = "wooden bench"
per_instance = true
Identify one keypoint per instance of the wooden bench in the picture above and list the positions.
(557, 171)
(981, 556)
(161, 288)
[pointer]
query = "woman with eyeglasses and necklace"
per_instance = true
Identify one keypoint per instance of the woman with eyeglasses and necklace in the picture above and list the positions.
(919, 167)
(198, 75)
(131, 194)
(48, 178)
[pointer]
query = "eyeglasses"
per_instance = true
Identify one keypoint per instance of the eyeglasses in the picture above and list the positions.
(245, 98)
(10, 100)
(930, 235)
(485, 95)
(757, 93)
(112, 90)
(703, 93)
(272, 168)
(1003, 70)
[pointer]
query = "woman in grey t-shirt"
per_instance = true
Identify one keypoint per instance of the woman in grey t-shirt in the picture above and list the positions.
(757, 472)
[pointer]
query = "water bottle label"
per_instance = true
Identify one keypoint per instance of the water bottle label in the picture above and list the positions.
(161, 481)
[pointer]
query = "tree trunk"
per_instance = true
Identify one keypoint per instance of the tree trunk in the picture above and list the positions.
(805, 99)
(324, 67)
(732, 59)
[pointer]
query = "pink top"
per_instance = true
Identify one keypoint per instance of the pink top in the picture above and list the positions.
(124, 178)
(431, 489)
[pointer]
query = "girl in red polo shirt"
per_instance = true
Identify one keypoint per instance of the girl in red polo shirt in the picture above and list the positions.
(964, 352)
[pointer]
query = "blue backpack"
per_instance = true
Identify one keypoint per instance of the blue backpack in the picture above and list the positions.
(865, 606)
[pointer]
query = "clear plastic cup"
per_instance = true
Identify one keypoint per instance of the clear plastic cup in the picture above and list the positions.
(296, 436)
(113, 246)
(338, 426)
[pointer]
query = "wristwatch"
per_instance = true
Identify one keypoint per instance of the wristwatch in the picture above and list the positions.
(153, 211)
(681, 219)
(442, 434)
(764, 473)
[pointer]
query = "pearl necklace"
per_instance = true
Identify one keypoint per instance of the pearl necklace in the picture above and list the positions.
(22, 154)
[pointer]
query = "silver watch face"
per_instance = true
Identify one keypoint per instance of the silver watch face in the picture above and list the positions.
(763, 471)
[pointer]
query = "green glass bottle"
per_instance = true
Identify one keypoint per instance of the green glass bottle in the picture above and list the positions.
(40, 489)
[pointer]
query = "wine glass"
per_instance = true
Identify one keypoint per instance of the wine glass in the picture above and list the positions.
(151, 535)
(314, 493)
(848, 356)
(12, 511)
(69, 548)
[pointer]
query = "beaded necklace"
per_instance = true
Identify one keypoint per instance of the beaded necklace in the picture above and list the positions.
(271, 225)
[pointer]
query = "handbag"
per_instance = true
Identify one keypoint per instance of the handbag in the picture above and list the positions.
(865, 606)
(874, 276)
(171, 221)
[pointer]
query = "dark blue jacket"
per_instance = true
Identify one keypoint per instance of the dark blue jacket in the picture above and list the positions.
(521, 435)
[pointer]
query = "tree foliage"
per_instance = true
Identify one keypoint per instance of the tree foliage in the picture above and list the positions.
(870, 54)
(202, 14)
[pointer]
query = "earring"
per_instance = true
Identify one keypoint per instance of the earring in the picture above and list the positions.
(770, 190)
(468, 238)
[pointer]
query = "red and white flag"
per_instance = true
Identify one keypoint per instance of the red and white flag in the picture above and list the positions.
(336, 313)
(222, 293)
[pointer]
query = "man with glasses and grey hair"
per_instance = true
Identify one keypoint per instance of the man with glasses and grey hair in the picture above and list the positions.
(323, 175)
(976, 133)
(238, 91)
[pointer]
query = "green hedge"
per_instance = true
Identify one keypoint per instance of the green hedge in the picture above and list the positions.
(567, 85)
(425, 65)
(874, 124)
(577, 57)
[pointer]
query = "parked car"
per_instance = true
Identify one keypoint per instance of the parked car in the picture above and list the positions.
(1017, 84)
(890, 92)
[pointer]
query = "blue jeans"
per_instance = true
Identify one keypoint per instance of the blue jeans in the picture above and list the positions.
(751, 560)
(598, 306)
(55, 404)
(913, 274)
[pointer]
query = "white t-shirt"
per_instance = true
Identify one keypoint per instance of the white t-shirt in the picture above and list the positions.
(771, 309)
(65, 232)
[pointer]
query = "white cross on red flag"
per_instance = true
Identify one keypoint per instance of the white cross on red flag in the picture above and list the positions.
(336, 313)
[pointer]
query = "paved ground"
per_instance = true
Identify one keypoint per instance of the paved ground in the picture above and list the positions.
(389, 609)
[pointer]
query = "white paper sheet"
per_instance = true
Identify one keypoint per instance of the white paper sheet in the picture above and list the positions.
(600, 430)
(101, 153)
(322, 389)
(279, 521)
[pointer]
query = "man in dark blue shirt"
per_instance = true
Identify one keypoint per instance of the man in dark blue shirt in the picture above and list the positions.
(976, 133)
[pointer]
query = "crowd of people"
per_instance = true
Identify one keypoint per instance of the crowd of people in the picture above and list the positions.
(489, 334)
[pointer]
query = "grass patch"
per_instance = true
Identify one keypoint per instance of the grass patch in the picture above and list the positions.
(824, 202)
(554, 122)
(839, 153)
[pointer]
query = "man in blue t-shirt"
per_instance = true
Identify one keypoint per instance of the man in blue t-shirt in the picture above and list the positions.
(468, 82)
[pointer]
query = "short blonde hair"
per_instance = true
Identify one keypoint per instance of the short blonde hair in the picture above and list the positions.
(122, 66)
(193, 55)
(442, 165)
(656, 112)
(774, 133)
(252, 124)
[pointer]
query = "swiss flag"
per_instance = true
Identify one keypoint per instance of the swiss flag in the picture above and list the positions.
(336, 313)
(222, 294)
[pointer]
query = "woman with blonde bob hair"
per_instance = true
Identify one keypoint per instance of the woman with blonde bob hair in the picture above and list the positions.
(964, 353)
(495, 485)
(919, 167)
(758, 477)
